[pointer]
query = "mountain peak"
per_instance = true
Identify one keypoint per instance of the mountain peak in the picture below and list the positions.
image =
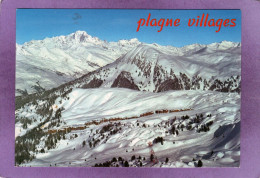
(142, 52)
(80, 36)
(223, 45)
(133, 41)
(81, 33)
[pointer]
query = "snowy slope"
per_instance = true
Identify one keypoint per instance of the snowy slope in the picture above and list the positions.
(220, 146)
(48, 63)
(150, 67)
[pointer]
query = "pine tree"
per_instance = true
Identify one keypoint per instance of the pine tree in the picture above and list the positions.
(120, 159)
(114, 160)
(126, 164)
(151, 157)
(200, 163)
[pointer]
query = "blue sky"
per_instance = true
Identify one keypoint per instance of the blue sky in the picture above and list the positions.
(113, 25)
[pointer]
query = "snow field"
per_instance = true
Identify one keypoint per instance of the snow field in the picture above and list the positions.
(133, 140)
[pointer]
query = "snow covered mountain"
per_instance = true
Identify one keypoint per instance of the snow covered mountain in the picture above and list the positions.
(155, 68)
(48, 63)
(153, 106)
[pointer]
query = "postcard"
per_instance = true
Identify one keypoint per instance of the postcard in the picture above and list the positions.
(127, 88)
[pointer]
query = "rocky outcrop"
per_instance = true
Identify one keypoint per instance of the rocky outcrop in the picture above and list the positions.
(170, 84)
(124, 80)
(95, 83)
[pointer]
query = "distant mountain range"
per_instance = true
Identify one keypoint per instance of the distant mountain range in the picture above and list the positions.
(48, 63)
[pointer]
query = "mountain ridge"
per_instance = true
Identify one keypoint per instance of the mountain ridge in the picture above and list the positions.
(40, 74)
(63, 58)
